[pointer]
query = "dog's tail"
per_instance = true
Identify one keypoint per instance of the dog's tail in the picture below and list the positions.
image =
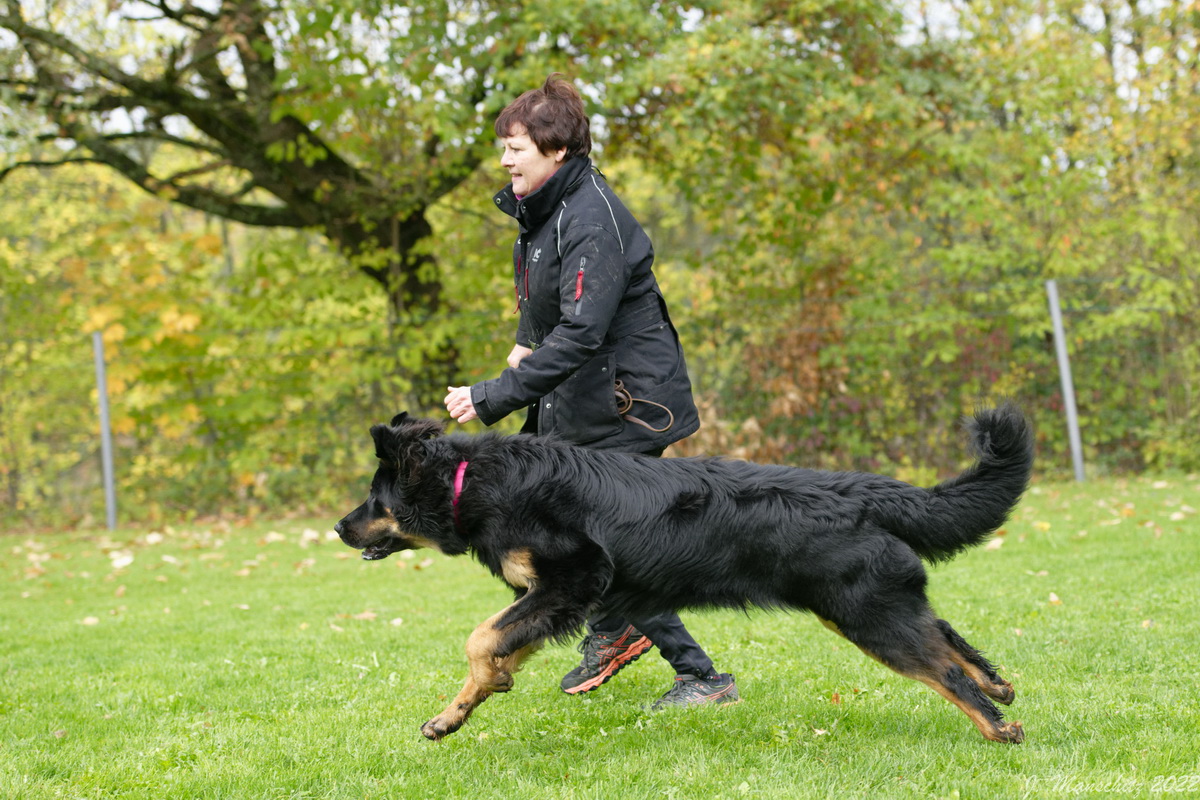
(961, 512)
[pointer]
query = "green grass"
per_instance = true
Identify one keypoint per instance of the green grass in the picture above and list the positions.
(237, 663)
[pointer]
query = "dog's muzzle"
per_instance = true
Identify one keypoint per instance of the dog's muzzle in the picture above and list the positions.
(370, 552)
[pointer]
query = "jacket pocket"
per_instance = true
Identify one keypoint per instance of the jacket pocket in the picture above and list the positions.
(584, 406)
(649, 357)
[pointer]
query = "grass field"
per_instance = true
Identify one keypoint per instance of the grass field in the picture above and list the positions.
(266, 661)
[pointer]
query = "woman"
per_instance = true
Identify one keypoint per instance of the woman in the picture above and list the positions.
(597, 361)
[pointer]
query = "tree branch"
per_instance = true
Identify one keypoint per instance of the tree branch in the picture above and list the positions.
(45, 164)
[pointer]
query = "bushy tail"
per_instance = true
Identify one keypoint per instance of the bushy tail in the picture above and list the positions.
(961, 512)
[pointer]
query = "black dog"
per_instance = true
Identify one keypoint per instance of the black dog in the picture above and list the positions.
(573, 530)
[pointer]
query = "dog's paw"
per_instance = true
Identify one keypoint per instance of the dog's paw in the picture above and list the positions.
(438, 728)
(1011, 732)
(1004, 695)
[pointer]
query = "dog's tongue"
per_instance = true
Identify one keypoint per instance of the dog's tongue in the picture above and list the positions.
(378, 551)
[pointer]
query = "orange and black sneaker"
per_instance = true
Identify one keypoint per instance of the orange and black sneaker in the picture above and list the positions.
(604, 656)
(690, 690)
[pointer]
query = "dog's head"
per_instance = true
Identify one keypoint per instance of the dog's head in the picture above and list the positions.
(403, 511)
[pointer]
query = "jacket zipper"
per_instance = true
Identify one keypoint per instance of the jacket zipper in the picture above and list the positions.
(579, 285)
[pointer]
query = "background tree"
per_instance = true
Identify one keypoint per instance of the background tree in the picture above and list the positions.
(854, 212)
(349, 118)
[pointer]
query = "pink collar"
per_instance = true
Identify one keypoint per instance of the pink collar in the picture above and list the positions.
(458, 487)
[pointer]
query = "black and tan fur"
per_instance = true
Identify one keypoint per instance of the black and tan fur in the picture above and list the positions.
(576, 531)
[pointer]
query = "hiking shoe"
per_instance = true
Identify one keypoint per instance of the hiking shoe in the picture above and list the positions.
(692, 691)
(603, 657)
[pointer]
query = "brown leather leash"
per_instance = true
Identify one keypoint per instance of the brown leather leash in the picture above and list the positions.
(625, 403)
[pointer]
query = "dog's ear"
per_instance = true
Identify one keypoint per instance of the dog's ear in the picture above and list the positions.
(400, 442)
(387, 444)
(417, 428)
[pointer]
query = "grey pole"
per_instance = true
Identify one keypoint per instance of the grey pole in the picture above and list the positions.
(1068, 385)
(106, 449)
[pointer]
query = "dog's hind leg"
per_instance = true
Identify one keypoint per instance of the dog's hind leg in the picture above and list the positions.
(917, 647)
(977, 667)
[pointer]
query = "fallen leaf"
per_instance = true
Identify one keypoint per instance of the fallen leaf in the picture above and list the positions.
(368, 616)
(1054, 601)
(397, 622)
(836, 699)
(994, 544)
(90, 621)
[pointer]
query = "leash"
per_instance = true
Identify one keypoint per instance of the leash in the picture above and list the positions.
(625, 403)
(458, 487)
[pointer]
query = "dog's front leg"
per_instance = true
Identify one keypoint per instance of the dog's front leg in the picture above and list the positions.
(489, 673)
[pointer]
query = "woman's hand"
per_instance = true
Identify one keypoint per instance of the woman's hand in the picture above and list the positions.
(458, 403)
(518, 353)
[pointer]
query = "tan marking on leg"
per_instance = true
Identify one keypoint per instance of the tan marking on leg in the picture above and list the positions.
(455, 714)
(1003, 732)
(1001, 692)
(1011, 732)
(481, 654)
(833, 627)
(489, 673)
(517, 568)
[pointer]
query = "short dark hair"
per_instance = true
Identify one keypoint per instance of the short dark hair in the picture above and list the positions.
(552, 116)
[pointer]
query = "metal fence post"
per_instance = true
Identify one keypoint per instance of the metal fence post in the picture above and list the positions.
(106, 448)
(1068, 385)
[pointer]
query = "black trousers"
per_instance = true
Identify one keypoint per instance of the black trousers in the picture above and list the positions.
(667, 632)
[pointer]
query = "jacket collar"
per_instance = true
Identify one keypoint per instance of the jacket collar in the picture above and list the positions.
(534, 209)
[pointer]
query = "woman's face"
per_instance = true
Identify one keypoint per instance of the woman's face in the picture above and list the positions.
(528, 166)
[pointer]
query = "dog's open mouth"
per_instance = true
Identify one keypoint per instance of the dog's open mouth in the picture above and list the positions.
(382, 549)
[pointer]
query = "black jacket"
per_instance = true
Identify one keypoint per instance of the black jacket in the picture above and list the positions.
(593, 314)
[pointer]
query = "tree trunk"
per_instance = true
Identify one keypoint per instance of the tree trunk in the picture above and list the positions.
(411, 279)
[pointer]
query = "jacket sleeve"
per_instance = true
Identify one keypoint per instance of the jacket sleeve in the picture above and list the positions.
(593, 279)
